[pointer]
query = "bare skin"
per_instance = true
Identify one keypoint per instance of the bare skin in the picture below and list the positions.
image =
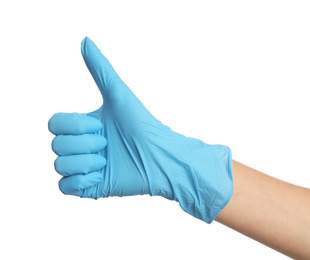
(270, 211)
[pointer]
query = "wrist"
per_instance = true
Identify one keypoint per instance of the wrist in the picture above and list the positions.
(198, 176)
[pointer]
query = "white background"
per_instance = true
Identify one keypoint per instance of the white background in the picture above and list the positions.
(228, 72)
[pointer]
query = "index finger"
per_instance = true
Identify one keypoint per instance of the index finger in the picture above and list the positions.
(73, 124)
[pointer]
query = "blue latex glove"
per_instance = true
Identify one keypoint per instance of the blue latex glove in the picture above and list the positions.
(121, 150)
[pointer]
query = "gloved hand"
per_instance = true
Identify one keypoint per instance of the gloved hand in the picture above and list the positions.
(121, 150)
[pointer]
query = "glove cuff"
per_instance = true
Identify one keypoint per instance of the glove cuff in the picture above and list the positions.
(198, 176)
(212, 182)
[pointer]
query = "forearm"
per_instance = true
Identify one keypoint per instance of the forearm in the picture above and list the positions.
(270, 211)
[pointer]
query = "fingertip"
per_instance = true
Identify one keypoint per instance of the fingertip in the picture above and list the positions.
(85, 39)
(51, 124)
(84, 43)
(90, 51)
(70, 186)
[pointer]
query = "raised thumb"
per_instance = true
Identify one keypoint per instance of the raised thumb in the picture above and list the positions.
(107, 80)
